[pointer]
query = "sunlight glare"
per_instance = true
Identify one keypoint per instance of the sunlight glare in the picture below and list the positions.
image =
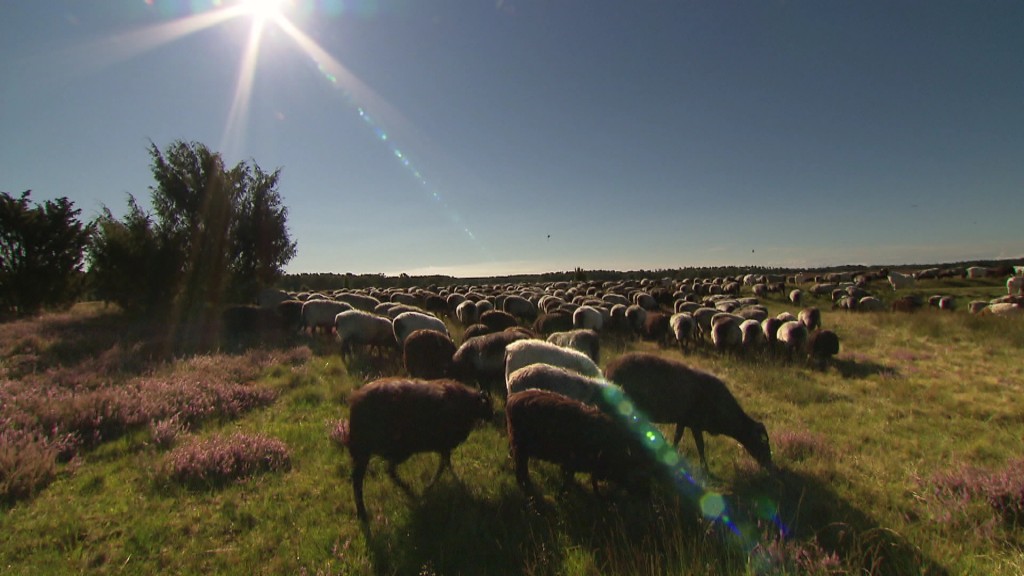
(264, 9)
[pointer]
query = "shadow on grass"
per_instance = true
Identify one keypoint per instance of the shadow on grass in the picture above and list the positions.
(812, 511)
(860, 368)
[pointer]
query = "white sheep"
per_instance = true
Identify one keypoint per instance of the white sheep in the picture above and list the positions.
(582, 340)
(467, 312)
(752, 335)
(870, 304)
(563, 381)
(408, 322)
(356, 327)
(795, 296)
(898, 280)
(362, 302)
(320, 313)
(793, 336)
(1003, 309)
(683, 325)
(525, 352)
(1015, 285)
(588, 317)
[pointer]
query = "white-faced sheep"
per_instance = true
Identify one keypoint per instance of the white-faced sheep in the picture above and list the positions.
(670, 392)
(428, 355)
(580, 438)
(588, 317)
(586, 341)
(792, 336)
(525, 352)
(586, 389)
(395, 418)
(408, 322)
(359, 328)
(481, 360)
(320, 313)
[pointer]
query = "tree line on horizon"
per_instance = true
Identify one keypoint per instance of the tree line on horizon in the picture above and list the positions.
(216, 234)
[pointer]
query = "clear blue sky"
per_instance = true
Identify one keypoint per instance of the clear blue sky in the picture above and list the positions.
(508, 136)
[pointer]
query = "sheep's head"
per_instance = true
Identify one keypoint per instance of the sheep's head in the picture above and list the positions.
(758, 446)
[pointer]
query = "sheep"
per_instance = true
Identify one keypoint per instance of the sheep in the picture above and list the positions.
(1003, 309)
(467, 313)
(682, 325)
(822, 345)
(396, 418)
(1015, 286)
(588, 317)
(528, 351)
(898, 280)
(548, 426)
(770, 327)
(593, 391)
(271, 297)
(519, 307)
(670, 392)
(320, 313)
(976, 306)
(752, 335)
(428, 355)
(870, 304)
(551, 322)
(358, 301)
(290, 312)
(356, 327)
(796, 296)
(811, 317)
(656, 328)
(408, 322)
(793, 336)
(586, 341)
(906, 304)
(497, 320)
(702, 316)
(481, 360)
(760, 290)
(725, 331)
(947, 303)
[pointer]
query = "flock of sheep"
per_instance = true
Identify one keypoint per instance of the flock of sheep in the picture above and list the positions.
(539, 347)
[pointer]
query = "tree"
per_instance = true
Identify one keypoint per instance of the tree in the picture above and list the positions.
(215, 233)
(42, 248)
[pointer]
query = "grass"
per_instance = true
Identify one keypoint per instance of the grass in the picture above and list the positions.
(903, 456)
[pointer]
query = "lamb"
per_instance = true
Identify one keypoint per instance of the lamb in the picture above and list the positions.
(670, 392)
(593, 391)
(408, 322)
(588, 317)
(822, 345)
(428, 355)
(320, 313)
(481, 360)
(793, 336)
(356, 327)
(396, 418)
(525, 352)
(551, 427)
(586, 341)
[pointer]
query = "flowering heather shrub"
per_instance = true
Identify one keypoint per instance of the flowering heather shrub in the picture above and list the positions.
(1002, 490)
(338, 431)
(165, 432)
(800, 445)
(781, 556)
(27, 463)
(219, 459)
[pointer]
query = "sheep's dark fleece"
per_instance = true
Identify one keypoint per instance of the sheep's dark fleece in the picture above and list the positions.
(428, 354)
(481, 360)
(398, 417)
(497, 320)
(670, 392)
(580, 438)
(821, 346)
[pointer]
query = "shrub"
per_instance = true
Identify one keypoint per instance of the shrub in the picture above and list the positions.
(218, 460)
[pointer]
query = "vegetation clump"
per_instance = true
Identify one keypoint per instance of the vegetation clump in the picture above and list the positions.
(221, 459)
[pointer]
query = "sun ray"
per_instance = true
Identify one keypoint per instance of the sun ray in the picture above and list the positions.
(235, 127)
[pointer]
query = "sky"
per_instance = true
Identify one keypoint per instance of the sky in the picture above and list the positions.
(499, 137)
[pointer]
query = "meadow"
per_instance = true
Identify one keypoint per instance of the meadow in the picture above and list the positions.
(904, 456)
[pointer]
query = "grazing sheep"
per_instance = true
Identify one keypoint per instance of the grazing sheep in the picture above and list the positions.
(290, 312)
(320, 313)
(796, 296)
(636, 316)
(976, 306)
(811, 317)
(467, 313)
(725, 332)
(475, 330)
(793, 336)
(561, 380)
(770, 327)
(753, 312)
(752, 335)
(480, 360)
(588, 317)
(906, 304)
(702, 316)
(947, 303)
(271, 297)
(586, 341)
(870, 304)
(682, 325)
(898, 280)
(1015, 285)
(408, 322)
(670, 392)
(395, 418)
(525, 352)
(519, 307)
(656, 328)
(786, 317)
(1003, 309)
(580, 438)
(552, 322)
(359, 328)
(358, 301)
(760, 290)
(428, 355)
(497, 320)
(822, 345)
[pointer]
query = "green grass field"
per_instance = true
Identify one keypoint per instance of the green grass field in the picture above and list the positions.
(904, 456)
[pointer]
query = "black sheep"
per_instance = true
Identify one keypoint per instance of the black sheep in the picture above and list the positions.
(670, 392)
(396, 418)
(428, 354)
(580, 438)
(822, 345)
(480, 360)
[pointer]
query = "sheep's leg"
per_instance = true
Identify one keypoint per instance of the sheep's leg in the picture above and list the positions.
(521, 462)
(698, 439)
(678, 435)
(446, 462)
(358, 473)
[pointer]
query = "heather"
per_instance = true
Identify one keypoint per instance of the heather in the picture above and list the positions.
(219, 459)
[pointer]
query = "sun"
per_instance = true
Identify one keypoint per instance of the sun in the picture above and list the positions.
(263, 9)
